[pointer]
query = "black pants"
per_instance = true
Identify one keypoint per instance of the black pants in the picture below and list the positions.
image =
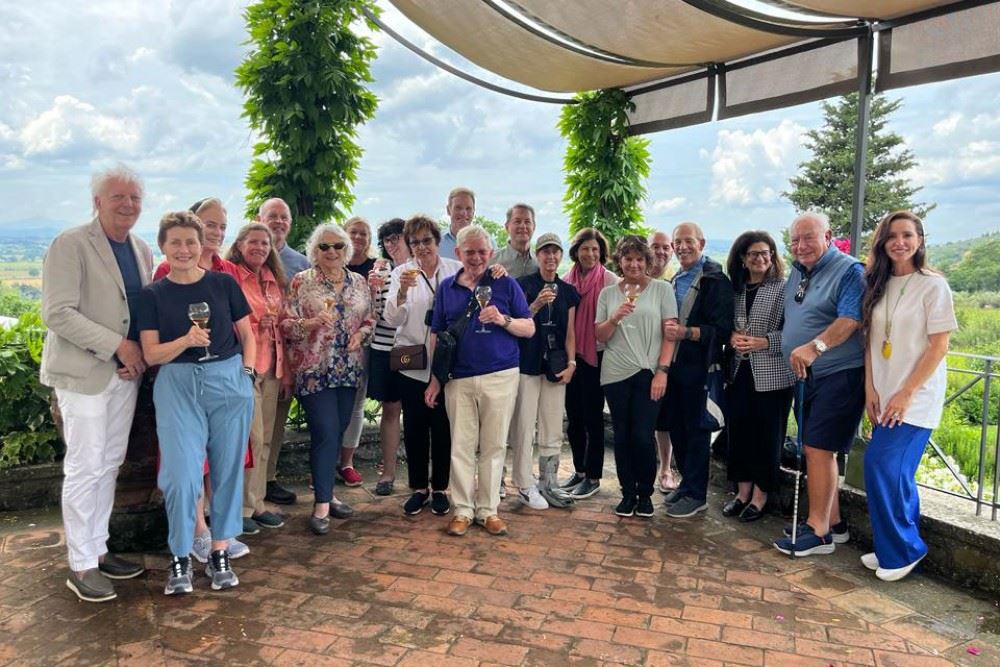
(757, 421)
(585, 418)
(426, 436)
(691, 442)
(633, 416)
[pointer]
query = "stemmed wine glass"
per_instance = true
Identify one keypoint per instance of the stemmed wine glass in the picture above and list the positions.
(740, 326)
(199, 314)
(555, 288)
(271, 311)
(483, 295)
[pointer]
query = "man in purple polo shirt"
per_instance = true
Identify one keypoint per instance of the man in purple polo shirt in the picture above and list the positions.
(480, 396)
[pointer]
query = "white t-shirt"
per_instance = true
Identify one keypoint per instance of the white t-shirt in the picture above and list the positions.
(635, 344)
(925, 308)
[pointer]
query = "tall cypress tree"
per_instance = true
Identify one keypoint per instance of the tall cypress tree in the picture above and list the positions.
(825, 182)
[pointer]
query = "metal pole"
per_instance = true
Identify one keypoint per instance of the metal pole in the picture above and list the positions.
(866, 54)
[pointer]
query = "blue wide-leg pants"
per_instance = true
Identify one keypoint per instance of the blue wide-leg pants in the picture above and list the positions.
(202, 409)
(891, 462)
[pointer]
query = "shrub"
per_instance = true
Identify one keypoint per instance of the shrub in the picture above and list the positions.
(27, 433)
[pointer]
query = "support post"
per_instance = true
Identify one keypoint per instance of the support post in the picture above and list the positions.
(866, 53)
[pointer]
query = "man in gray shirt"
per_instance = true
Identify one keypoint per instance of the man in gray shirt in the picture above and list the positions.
(517, 257)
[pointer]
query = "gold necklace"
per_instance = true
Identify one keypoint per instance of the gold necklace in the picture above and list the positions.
(887, 344)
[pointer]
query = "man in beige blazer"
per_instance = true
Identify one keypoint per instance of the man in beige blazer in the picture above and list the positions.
(91, 280)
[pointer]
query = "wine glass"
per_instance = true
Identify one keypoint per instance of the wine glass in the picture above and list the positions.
(555, 289)
(741, 328)
(271, 311)
(631, 292)
(483, 295)
(199, 314)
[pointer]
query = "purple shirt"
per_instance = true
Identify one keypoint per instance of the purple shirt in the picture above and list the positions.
(481, 353)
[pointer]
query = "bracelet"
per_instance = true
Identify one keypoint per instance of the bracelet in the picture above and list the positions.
(687, 333)
(251, 372)
(572, 362)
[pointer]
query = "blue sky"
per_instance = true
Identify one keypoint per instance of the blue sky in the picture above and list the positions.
(148, 83)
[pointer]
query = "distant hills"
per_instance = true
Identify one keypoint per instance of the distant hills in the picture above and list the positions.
(32, 229)
(945, 256)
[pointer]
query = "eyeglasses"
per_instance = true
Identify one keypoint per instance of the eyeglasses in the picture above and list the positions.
(759, 254)
(800, 293)
(392, 238)
(426, 241)
(336, 246)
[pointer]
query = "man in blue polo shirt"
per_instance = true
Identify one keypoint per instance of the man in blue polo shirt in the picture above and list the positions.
(480, 396)
(822, 341)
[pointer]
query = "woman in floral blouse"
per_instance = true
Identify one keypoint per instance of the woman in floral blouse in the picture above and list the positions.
(328, 319)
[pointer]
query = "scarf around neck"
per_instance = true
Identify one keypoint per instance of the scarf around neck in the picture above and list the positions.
(589, 286)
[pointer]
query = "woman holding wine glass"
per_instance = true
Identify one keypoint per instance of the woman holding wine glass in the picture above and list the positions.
(636, 362)
(480, 396)
(328, 319)
(261, 276)
(196, 325)
(760, 380)
(584, 396)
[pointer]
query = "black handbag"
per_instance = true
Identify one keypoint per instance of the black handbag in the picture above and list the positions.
(446, 348)
(556, 360)
(408, 358)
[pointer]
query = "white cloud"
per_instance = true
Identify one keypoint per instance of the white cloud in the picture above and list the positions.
(72, 124)
(663, 205)
(947, 126)
(753, 167)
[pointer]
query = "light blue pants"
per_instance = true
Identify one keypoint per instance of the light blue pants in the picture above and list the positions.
(197, 404)
(891, 462)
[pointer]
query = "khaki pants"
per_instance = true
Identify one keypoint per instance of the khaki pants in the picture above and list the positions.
(265, 404)
(542, 402)
(479, 410)
(277, 437)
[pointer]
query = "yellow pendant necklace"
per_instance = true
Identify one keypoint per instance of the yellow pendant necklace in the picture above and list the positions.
(887, 344)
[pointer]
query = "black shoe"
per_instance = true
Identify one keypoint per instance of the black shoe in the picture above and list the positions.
(572, 482)
(644, 507)
(440, 504)
(268, 520)
(416, 503)
(250, 527)
(279, 495)
(627, 506)
(319, 525)
(733, 508)
(751, 513)
(673, 497)
(116, 567)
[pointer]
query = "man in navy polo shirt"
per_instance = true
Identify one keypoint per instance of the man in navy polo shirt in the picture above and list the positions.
(480, 396)
(822, 341)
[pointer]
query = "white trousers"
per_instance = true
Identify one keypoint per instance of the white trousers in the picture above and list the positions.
(479, 410)
(96, 429)
(538, 402)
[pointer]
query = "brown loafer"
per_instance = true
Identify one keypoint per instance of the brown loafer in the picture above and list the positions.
(459, 525)
(494, 525)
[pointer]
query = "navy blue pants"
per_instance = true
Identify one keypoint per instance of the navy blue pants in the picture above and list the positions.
(633, 418)
(692, 443)
(891, 462)
(328, 413)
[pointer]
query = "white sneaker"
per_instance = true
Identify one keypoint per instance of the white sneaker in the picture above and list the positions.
(532, 498)
(503, 489)
(202, 547)
(870, 561)
(895, 574)
(237, 549)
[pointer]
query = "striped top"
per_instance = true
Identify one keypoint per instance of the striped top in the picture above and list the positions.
(384, 336)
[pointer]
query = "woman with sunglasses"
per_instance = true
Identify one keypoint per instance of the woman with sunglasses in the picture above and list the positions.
(327, 319)
(760, 381)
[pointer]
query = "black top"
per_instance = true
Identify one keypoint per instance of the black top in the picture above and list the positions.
(713, 314)
(364, 268)
(127, 264)
(163, 307)
(546, 336)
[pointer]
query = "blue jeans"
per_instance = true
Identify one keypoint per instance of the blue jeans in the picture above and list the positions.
(202, 409)
(633, 418)
(328, 413)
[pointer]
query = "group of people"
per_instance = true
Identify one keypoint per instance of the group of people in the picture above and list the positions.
(476, 350)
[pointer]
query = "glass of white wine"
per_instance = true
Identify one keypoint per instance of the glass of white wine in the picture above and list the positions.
(741, 328)
(199, 314)
(483, 295)
(555, 289)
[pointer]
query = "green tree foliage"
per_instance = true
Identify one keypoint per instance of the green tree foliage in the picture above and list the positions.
(305, 81)
(825, 182)
(605, 167)
(495, 229)
(14, 304)
(979, 268)
(27, 434)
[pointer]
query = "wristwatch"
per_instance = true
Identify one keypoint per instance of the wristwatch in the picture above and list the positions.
(819, 345)
(664, 367)
(251, 372)
(506, 321)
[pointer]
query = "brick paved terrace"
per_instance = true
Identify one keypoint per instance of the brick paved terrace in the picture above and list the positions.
(579, 587)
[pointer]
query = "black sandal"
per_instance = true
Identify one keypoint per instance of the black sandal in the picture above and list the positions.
(733, 508)
(751, 513)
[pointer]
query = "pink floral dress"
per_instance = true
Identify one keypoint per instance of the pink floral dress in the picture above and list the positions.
(319, 358)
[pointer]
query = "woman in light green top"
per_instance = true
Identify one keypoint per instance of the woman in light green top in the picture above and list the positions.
(630, 318)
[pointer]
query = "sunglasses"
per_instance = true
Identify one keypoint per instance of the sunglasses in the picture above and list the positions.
(427, 241)
(800, 293)
(336, 246)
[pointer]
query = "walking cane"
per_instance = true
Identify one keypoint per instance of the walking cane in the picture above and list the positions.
(800, 391)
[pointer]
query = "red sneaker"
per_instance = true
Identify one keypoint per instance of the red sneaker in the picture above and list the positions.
(350, 476)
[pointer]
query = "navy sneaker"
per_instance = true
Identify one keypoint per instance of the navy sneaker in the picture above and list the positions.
(841, 535)
(807, 543)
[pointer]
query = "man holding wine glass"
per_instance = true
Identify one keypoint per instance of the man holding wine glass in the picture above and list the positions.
(480, 396)
(196, 325)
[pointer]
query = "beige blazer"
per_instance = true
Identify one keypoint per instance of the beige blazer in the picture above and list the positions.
(84, 308)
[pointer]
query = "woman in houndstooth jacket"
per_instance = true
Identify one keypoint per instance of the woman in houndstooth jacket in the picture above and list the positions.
(760, 381)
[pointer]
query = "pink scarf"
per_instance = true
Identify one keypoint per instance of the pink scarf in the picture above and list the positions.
(589, 287)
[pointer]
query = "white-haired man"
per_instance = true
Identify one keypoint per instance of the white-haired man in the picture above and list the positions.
(91, 279)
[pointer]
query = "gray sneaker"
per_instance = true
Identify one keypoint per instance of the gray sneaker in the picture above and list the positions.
(91, 586)
(673, 497)
(236, 549)
(202, 546)
(685, 507)
(586, 488)
(220, 572)
(116, 567)
(179, 576)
